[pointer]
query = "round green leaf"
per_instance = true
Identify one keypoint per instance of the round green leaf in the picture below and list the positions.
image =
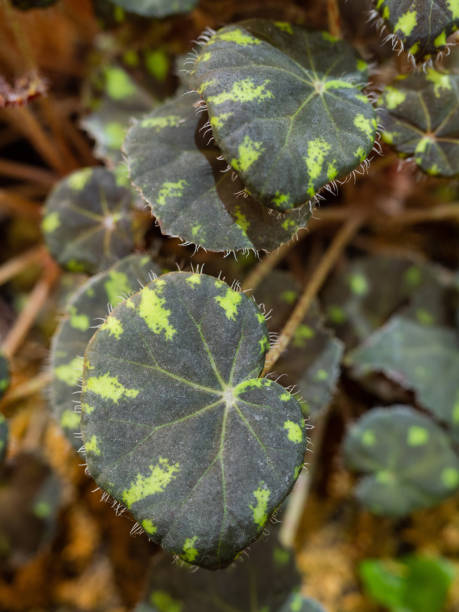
(89, 220)
(84, 312)
(119, 98)
(4, 374)
(421, 26)
(422, 358)
(189, 191)
(420, 117)
(3, 437)
(178, 427)
(156, 8)
(286, 107)
(407, 459)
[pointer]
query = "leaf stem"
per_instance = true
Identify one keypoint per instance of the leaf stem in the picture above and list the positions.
(30, 387)
(16, 265)
(339, 242)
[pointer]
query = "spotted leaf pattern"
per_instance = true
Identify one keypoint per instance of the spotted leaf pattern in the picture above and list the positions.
(177, 424)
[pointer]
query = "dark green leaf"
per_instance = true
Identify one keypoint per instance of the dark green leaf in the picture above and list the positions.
(286, 107)
(4, 374)
(419, 357)
(84, 312)
(178, 427)
(413, 584)
(267, 576)
(361, 295)
(119, 99)
(421, 26)
(189, 191)
(311, 362)
(3, 437)
(89, 220)
(420, 117)
(407, 459)
(156, 8)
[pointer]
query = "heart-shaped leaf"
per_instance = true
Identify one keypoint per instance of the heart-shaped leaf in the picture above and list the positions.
(268, 576)
(188, 189)
(422, 26)
(157, 8)
(178, 427)
(407, 460)
(4, 374)
(89, 220)
(84, 312)
(286, 107)
(420, 117)
(3, 437)
(423, 358)
(120, 99)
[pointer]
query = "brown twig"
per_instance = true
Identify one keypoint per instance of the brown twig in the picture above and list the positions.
(30, 387)
(19, 206)
(330, 257)
(25, 172)
(28, 315)
(16, 265)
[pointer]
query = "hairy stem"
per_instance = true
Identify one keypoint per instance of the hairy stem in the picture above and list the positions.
(339, 242)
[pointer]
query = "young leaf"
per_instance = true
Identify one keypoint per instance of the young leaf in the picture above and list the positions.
(87, 308)
(286, 107)
(120, 99)
(416, 357)
(421, 26)
(412, 584)
(156, 8)
(4, 374)
(268, 576)
(89, 220)
(178, 426)
(407, 461)
(3, 437)
(188, 189)
(420, 117)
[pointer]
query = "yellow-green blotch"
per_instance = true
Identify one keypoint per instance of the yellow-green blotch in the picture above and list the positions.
(161, 475)
(367, 126)
(79, 179)
(153, 312)
(393, 97)
(317, 150)
(259, 510)
(194, 279)
(92, 446)
(149, 526)
(118, 84)
(406, 23)
(239, 37)
(248, 153)
(164, 602)
(161, 122)
(229, 302)
(170, 190)
(189, 550)
(417, 436)
(109, 387)
(284, 26)
(78, 321)
(51, 222)
(115, 133)
(70, 373)
(294, 432)
(70, 419)
(113, 326)
(440, 81)
(243, 91)
(117, 287)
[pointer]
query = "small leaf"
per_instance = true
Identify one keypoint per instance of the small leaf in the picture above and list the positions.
(87, 308)
(407, 459)
(422, 26)
(89, 220)
(178, 426)
(413, 584)
(4, 374)
(119, 98)
(422, 358)
(188, 189)
(286, 107)
(156, 8)
(420, 117)
(268, 575)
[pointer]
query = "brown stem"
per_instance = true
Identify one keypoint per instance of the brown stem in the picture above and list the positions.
(18, 264)
(30, 387)
(333, 252)
(28, 315)
(436, 213)
(19, 206)
(25, 172)
(334, 20)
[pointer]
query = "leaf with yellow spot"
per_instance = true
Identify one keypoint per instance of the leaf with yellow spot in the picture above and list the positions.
(87, 307)
(406, 460)
(290, 105)
(186, 427)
